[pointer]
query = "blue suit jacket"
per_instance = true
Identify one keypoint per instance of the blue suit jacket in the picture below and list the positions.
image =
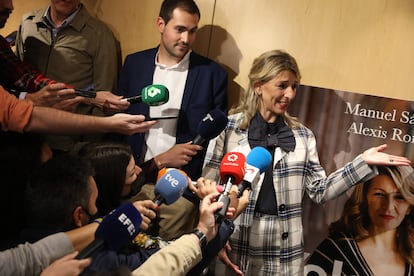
(205, 89)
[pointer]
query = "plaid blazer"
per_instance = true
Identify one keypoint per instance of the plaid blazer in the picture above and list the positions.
(293, 174)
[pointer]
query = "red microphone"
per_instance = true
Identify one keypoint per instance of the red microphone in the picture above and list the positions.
(232, 169)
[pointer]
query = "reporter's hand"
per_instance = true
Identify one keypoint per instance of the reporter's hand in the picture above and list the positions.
(51, 95)
(128, 124)
(178, 156)
(109, 102)
(223, 257)
(204, 187)
(147, 208)
(66, 266)
(375, 156)
(207, 222)
(240, 204)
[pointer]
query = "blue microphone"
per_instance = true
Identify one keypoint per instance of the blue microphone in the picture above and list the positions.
(170, 186)
(168, 189)
(257, 161)
(117, 229)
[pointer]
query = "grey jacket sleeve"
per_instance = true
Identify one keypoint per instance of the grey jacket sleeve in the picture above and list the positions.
(31, 259)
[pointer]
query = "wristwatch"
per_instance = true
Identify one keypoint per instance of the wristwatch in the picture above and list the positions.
(202, 237)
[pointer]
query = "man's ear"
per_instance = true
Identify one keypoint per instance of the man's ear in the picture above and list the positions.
(160, 24)
(78, 216)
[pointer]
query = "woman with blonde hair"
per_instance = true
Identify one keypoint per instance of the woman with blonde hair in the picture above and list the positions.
(268, 238)
(375, 234)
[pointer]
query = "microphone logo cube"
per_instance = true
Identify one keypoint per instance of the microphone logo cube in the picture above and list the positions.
(153, 91)
(155, 94)
(128, 223)
(232, 157)
(208, 117)
(174, 182)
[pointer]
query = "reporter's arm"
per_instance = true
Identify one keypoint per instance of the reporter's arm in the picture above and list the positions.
(183, 254)
(54, 121)
(81, 237)
(175, 259)
(31, 259)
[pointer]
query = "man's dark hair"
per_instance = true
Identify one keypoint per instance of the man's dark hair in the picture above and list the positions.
(168, 6)
(56, 190)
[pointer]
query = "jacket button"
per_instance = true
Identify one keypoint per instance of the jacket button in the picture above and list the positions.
(285, 235)
(282, 207)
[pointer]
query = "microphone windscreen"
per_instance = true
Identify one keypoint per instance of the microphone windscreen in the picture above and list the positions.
(260, 158)
(119, 227)
(171, 186)
(155, 94)
(233, 165)
(164, 170)
(212, 124)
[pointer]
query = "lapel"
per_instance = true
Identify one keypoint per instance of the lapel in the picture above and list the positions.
(189, 88)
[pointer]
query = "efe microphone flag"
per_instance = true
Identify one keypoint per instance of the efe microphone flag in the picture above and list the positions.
(116, 230)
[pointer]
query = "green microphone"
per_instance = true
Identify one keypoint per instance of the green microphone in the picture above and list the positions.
(153, 95)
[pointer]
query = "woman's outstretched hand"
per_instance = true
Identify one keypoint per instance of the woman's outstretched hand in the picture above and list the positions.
(375, 156)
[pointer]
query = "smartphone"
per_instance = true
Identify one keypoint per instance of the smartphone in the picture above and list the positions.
(147, 118)
(86, 93)
(11, 38)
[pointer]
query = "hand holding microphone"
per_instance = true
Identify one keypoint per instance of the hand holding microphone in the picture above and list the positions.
(210, 126)
(203, 187)
(168, 189)
(152, 95)
(257, 161)
(117, 229)
(147, 209)
(232, 169)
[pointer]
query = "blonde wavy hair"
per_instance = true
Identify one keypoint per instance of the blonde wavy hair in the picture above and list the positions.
(355, 219)
(265, 67)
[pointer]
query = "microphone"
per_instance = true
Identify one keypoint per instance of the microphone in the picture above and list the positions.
(116, 230)
(170, 186)
(210, 126)
(153, 95)
(232, 168)
(257, 161)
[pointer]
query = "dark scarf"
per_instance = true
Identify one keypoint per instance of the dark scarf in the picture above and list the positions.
(269, 136)
(276, 134)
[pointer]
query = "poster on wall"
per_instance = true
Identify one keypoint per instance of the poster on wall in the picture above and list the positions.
(345, 124)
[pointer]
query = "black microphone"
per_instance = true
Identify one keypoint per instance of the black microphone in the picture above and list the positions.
(116, 230)
(210, 126)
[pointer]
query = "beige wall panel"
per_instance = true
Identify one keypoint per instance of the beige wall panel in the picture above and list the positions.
(21, 7)
(134, 21)
(359, 46)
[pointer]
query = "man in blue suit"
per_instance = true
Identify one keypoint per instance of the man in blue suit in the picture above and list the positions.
(196, 85)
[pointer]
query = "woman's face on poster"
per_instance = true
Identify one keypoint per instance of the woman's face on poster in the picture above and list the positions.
(387, 207)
